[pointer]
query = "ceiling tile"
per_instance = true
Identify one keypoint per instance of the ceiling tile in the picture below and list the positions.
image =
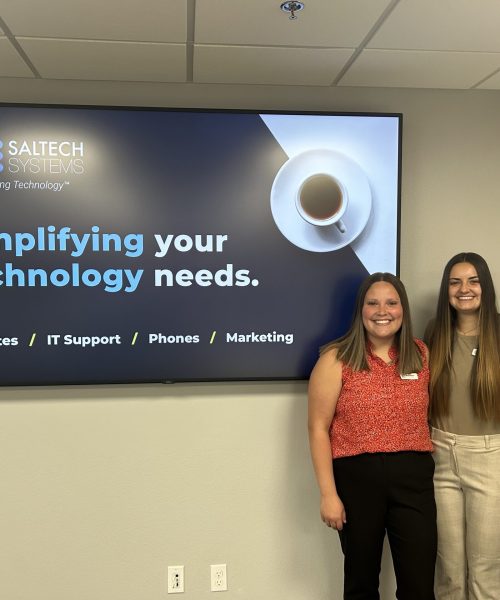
(148, 20)
(419, 43)
(465, 25)
(419, 69)
(272, 66)
(12, 65)
(340, 24)
(492, 83)
(113, 61)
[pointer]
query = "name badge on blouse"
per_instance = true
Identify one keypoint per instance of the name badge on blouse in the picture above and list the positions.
(409, 376)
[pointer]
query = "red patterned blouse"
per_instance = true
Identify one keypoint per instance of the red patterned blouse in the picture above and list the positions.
(381, 411)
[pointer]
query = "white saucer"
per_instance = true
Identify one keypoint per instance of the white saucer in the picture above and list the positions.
(287, 182)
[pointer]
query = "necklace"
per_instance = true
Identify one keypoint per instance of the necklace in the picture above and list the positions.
(468, 331)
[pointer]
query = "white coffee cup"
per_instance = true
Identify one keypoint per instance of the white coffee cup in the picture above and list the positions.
(322, 200)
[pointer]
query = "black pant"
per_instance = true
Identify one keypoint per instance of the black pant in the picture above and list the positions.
(390, 492)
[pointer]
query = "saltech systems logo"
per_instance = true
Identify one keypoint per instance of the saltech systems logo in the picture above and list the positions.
(41, 157)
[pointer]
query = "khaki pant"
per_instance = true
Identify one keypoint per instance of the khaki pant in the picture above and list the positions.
(467, 491)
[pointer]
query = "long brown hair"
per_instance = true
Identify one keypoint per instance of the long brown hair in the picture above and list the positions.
(485, 375)
(351, 347)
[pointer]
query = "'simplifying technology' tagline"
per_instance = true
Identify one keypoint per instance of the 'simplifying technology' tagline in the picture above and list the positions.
(67, 243)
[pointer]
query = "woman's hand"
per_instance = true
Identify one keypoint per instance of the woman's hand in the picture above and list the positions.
(333, 512)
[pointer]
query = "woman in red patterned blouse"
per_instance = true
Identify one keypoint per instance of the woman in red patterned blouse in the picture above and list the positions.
(370, 444)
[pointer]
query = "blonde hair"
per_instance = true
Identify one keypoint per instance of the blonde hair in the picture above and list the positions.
(351, 347)
(485, 376)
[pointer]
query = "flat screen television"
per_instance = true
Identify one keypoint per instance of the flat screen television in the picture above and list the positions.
(159, 245)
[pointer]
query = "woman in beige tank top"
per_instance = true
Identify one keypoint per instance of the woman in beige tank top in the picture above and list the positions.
(464, 341)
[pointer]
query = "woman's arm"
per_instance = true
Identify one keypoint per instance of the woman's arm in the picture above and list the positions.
(324, 389)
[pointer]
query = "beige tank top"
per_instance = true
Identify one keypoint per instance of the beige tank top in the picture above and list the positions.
(461, 418)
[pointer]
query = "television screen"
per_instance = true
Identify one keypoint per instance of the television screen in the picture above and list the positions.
(158, 245)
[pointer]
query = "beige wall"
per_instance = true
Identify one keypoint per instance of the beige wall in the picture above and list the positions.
(103, 487)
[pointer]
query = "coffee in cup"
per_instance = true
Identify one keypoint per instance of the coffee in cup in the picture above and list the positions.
(322, 200)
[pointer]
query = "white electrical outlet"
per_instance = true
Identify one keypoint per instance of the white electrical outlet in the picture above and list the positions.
(175, 583)
(218, 578)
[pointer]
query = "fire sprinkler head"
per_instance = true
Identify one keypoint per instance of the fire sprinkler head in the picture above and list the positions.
(291, 7)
